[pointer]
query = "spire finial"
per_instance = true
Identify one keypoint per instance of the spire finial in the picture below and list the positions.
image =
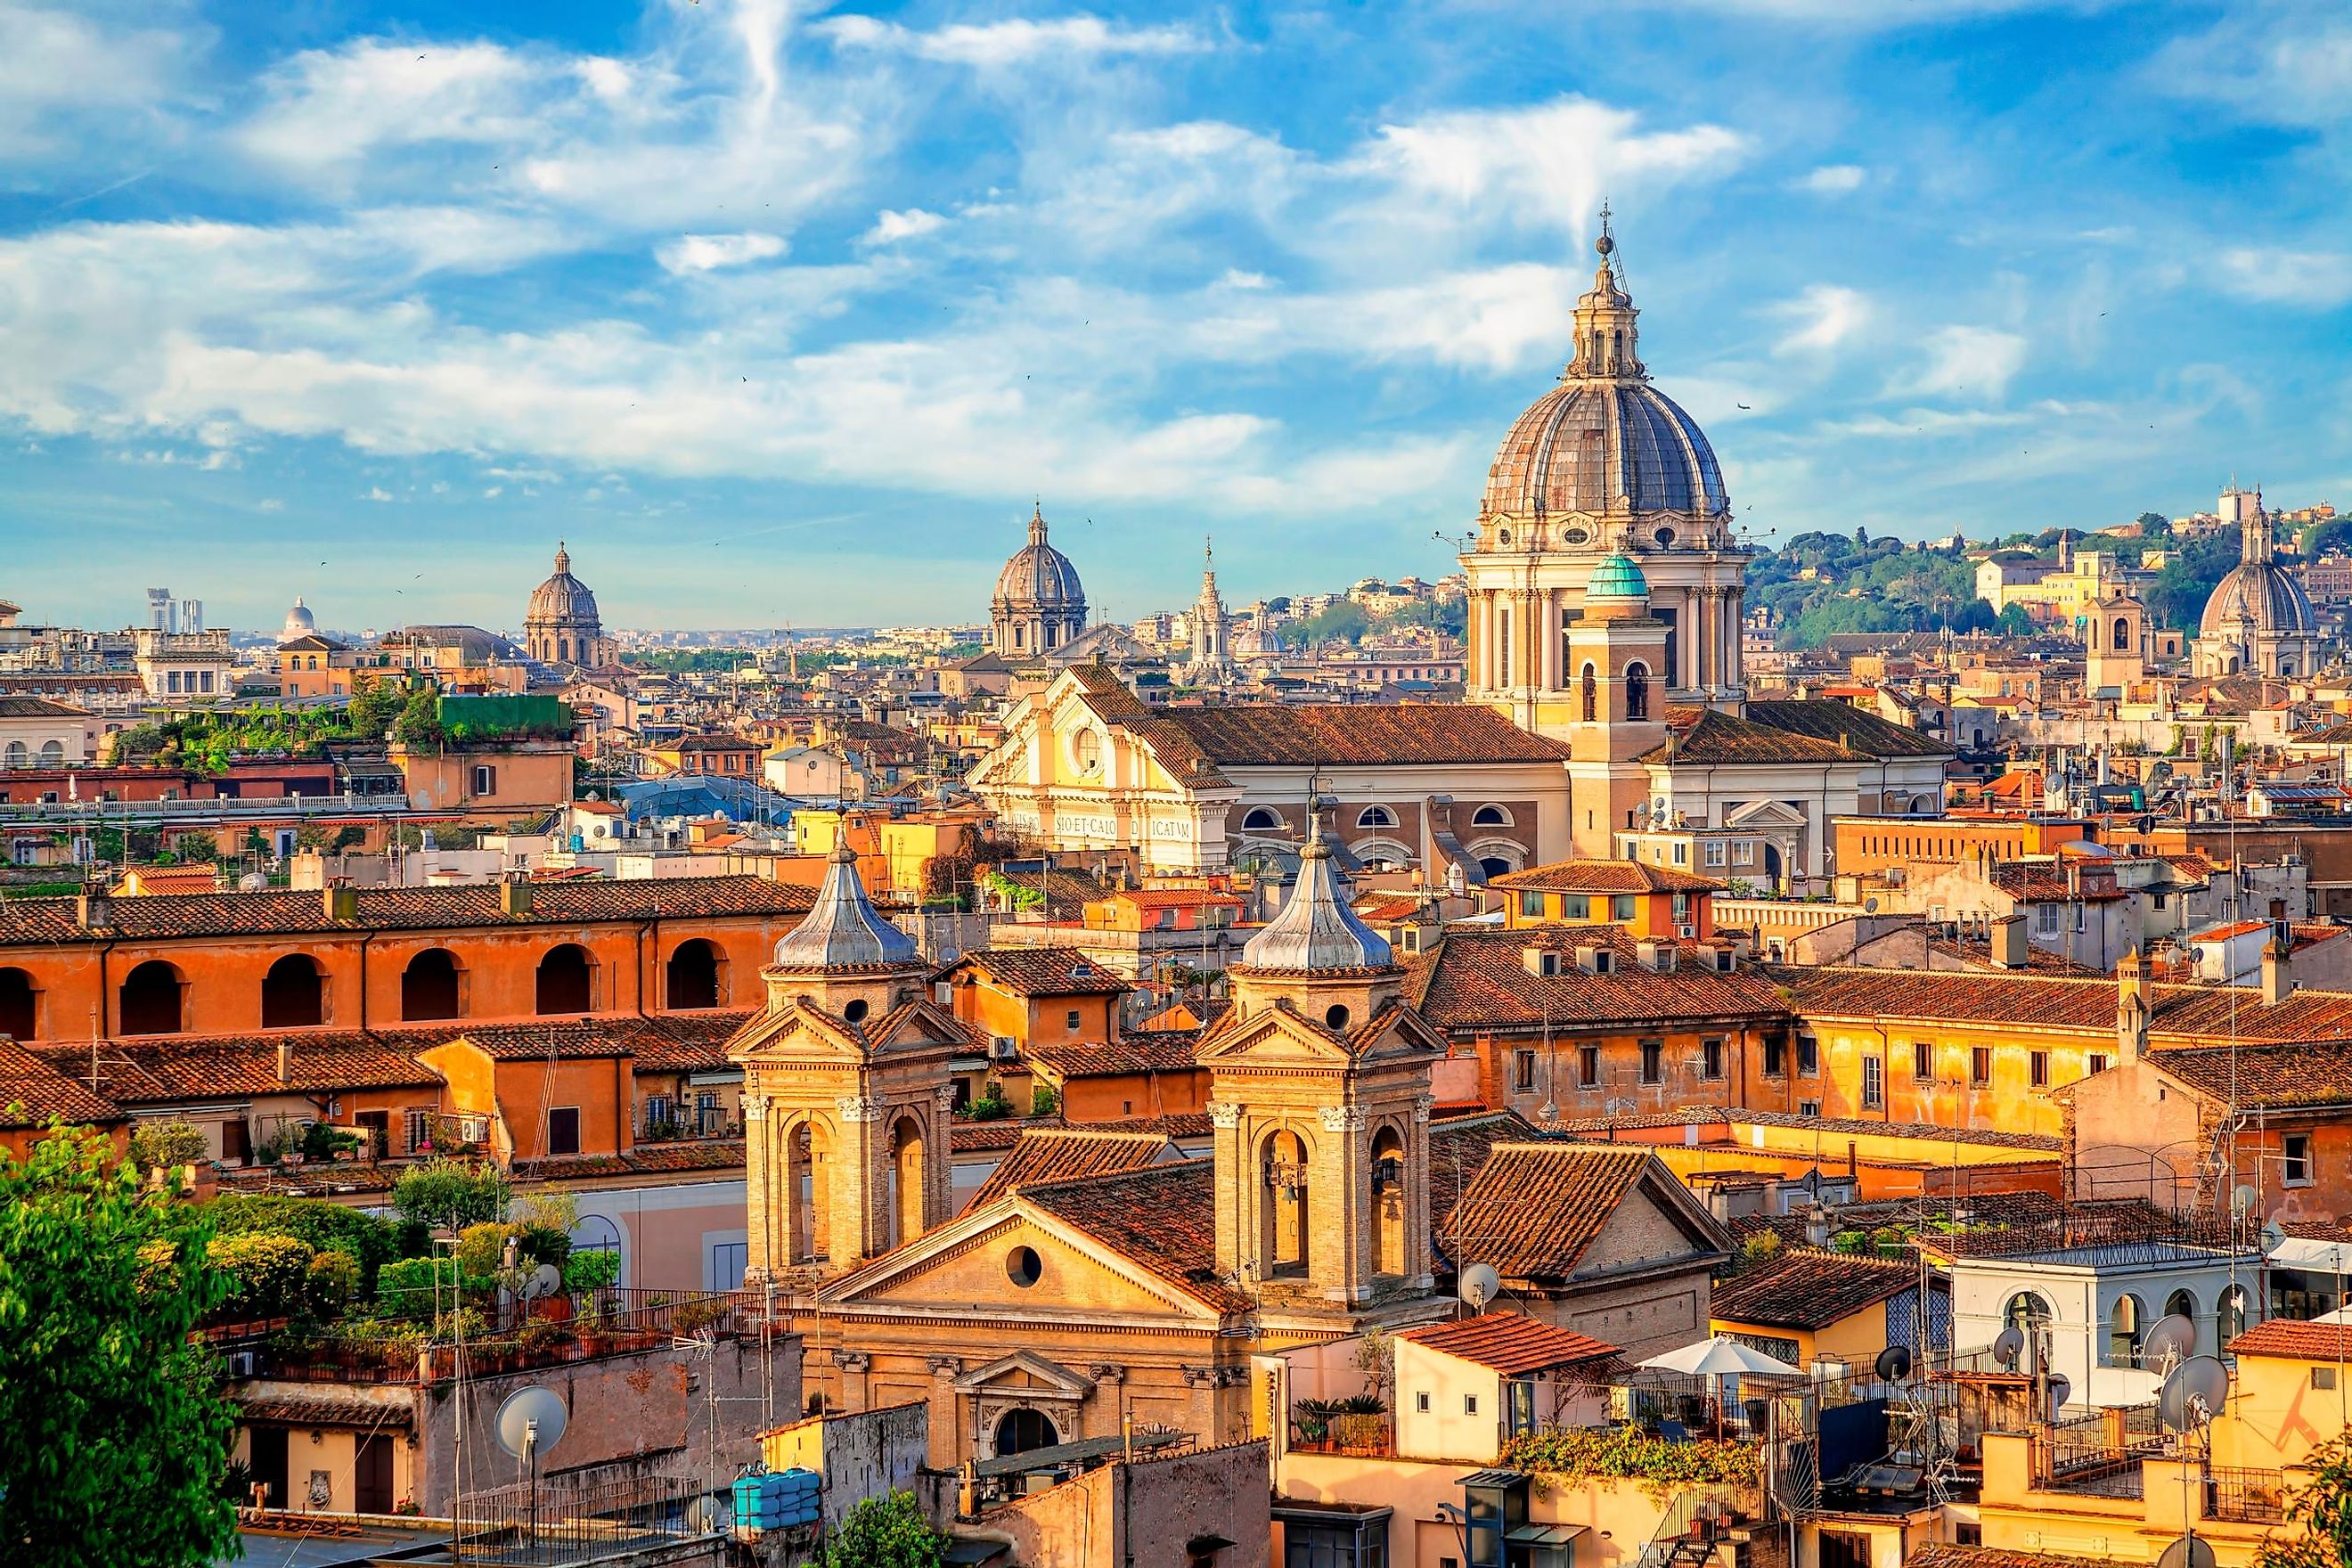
(1607, 243)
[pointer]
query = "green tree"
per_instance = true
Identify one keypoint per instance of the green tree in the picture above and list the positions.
(325, 1227)
(1343, 622)
(450, 1194)
(196, 847)
(887, 1533)
(165, 1145)
(375, 702)
(419, 725)
(2322, 1506)
(270, 1274)
(113, 1436)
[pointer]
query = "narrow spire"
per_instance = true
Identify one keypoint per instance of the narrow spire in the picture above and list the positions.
(1037, 521)
(1315, 929)
(563, 559)
(843, 930)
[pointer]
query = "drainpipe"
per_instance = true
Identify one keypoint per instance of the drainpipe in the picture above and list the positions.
(366, 938)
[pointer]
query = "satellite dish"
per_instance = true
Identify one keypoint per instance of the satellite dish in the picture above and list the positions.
(2008, 1346)
(2061, 1386)
(2193, 1393)
(701, 1518)
(2242, 1199)
(2189, 1551)
(2173, 1340)
(544, 1280)
(1893, 1363)
(2274, 1236)
(1479, 1285)
(532, 1419)
(1870, 906)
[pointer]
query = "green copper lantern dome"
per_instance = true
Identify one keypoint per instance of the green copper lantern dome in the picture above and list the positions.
(1616, 577)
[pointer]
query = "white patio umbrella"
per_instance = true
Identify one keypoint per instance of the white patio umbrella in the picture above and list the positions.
(1718, 1357)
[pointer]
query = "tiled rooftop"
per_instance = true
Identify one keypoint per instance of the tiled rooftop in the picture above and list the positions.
(1478, 979)
(1604, 876)
(1071, 1153)
(1044, 971)
(1808, 1290)
(1509, 1343)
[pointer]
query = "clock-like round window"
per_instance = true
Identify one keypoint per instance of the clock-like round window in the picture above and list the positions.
(1085, 751)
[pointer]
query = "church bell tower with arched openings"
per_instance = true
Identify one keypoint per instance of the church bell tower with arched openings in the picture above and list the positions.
(1319, 1110)
(845, 1092)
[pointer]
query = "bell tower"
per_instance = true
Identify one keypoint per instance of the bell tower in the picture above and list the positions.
(1319, 1109)
(1615, 656)
(846, 1095)
(2115, 654)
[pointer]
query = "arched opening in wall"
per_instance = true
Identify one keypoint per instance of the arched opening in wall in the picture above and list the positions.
(151, 1000)
(428, 988)
(2124, 1329)
(811, 1239)
(293, 993)
(692, 980)
(1023, 1432)
(1495, 866)
(1262, 819)
(2122, 634)
(1388, 1203)
(53, 753)
(2229, 1316)
(597, 1233)
(1490, 817)
(18, 754)
(2029, 1314)
(905, 1180)
(1588, 686)
(2181, 1304)
(1637, 691)
(1376, 816)
(1772, 864)
(20, 1005)
(566, 981)
(1284, 1243)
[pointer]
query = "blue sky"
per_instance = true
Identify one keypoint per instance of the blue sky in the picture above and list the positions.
(784, 313)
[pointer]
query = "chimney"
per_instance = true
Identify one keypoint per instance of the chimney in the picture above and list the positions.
(2278, 977)
(343, 901)
(514, 895)
(2131, 1006)
(285, 1061)
(94, 910)
(2010, 949)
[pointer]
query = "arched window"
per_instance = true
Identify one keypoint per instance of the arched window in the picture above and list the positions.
(1376, 816)
(151, 1000)
(1024, 1431)
(595, 1233)
(17, 755)
(1388, 1203)
(2124, 1329)
(807, 1147)
(20, 1005)
(1285, 1240)
(692, 980)
(1495, 866)
(1589, 686)
(565, 980)
(428, 988)
(1262, 819)
(53, 753)
(293, 993)
(2122, 634)
(905, 1180)
(1490, 817)
(1637, 691)
(2182, 1304)
(2029, 1314)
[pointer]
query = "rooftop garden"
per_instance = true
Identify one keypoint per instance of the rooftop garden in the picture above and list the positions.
(1663, 1464)
(418, 717)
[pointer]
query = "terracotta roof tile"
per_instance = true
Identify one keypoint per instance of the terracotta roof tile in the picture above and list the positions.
(159, 1069)
(1166, 1050)
(1808, 1290)
(28, 922)
(1044, 971)
(1458, 1147)
(2180, 1015)
(2264, 1077)
(1709, 735)
(2296, 1340)
(34, 1092)
(1356, 735)
(1478, 980)
(1853, 727)
(1942, 1555)
(1534, 1208)
(1160, 1216)
(1071, 1153)
(1604, 877)
(642, 1158)
(1509, 1343)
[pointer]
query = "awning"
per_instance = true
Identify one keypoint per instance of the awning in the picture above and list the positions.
(2318, 1257)
(1544, 1534)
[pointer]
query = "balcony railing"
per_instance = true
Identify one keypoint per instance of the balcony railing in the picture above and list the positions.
(2247, 1495)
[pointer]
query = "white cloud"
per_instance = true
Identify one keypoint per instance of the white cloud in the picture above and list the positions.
(891, 227)
(63, 67)
(1977, 361)
(708, 252)
(376, 492)
(1821, 318)
(2320, 280)
(326, 111)
(2274, 65)
(493, 492)
(1835, 179)
(996, 45)
(270, 504)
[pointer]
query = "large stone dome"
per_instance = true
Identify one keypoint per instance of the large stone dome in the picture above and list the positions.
(562, 597)
(2259, 594)
(1039, 574)
(1622, 447)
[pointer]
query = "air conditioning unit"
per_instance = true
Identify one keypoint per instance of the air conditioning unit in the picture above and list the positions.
(1688, 933)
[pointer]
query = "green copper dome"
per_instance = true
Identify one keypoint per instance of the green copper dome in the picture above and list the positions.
(1616, 577)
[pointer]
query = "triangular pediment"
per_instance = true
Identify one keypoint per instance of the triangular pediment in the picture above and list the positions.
(1273, 1035)
(1029, 1374)
(1765, 813)
(971, 1259)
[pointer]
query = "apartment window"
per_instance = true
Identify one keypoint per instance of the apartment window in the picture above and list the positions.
(563, 1129)
(1070, 1019)
(2038, 1068)
(2045, 920)
(2297, 1148)
(1710, 1054)
(1532, 906)
(1874, 1083)
(1421, 1403)
(1681, 853)
(2323, 1377)
(1587, 1065)
(1523, 1069)
(2095, 1062)
(1776, 1057)
(1808, 1108)
(1979, 1065)
(661, 1115)
(486, 779)
(1714, 851)
(1575, 907)
(1469, 1404)
(1923, 1060)
(1809, 1056)
(1743, 853)
(1654, 1061)
(1622, 907)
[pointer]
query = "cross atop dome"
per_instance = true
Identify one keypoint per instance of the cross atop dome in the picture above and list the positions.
(1605, 334)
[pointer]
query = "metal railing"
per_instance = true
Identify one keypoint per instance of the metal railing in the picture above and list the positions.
(2247, 1495)
(116, 813)
(563, 1520)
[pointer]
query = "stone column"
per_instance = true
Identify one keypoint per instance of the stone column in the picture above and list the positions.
(947, 1431)
(1418, 1242)
(1110, 1379)
(939, 1160)
(1340, 1195)
(857, 1224)
(1549, 617)
(1236, 1239)
(758, 1185)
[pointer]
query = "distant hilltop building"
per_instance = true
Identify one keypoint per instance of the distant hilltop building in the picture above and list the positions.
(1040, 604)
(562, 626)
(2259, 620)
